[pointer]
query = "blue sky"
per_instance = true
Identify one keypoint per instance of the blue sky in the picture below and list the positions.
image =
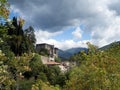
(68, 24)
(66, 34)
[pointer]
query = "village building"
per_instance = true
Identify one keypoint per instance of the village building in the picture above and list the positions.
(51, 50)
(52, 54)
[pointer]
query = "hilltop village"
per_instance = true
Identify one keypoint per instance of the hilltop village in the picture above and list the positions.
(49, 56)
(27, 66)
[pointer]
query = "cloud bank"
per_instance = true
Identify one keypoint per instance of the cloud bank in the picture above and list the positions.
(100, 18)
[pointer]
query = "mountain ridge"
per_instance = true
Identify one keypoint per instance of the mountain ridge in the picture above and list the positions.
(66, 54)
(109, 45)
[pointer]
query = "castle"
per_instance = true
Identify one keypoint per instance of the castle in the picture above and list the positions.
(51, 50)
(52, 54)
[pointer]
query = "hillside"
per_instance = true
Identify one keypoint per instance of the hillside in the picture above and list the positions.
(75, 50)
(100, 68)
(109, 45)
(68, 53)
(63, 54)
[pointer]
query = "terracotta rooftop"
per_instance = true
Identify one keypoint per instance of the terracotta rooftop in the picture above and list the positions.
(52, 63)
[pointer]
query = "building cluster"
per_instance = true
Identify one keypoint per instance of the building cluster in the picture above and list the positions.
(52, 55)
(51, 50)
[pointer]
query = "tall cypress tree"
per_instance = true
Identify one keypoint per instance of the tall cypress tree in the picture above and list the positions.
(16, 36)
(20, 41)
(30, 38)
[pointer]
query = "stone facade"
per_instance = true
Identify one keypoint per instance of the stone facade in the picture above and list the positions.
(52, 51)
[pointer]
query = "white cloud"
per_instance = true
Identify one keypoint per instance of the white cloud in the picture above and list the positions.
(77, 33)
(101, 18)
(42, 36)
(66, 44)
(46, 37)
(104, 35)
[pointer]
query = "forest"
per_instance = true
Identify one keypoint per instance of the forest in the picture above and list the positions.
(21, 67)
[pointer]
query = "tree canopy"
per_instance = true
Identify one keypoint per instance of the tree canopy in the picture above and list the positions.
(4, 9)
(21, 68)
(99, 70)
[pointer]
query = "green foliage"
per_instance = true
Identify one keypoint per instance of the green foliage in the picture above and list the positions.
(40, 85)
(17, 66)
(79, 58)
(61, 80)
(16, 34)
(26, 84)
(30, 39)
(114, 50)
(42, 76)
(3, 42)
(3, 32)
(6, 80)
(57, 59)
(4, 9)
(52, 74)
(20, 41)
(44, 52)
(92, 49)
(98, 71)
(21, 69)
(36, 64)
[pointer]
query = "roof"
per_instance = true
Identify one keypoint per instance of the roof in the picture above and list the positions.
(52, 63)
(44, 44)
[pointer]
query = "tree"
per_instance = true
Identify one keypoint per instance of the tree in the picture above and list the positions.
(99, 71)
(36, 65)
(52, 74)
(16, 34)
(20, 41)
(6, 79)
(18, 66)
(114, 50)
(4, 12)
(40, 85)
(44, 52)
(4, 9)
(79, 57)
(30, 39)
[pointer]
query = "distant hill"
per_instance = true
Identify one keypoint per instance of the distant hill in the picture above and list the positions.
(109, 45)
(68, 53)
(63, 54)
(75, 50)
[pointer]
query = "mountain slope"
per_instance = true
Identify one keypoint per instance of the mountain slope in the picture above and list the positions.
(68, 53)
(75, 50)
(63, 54)
(109, 45)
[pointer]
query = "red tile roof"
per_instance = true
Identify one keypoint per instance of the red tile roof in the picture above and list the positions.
(52, 63)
